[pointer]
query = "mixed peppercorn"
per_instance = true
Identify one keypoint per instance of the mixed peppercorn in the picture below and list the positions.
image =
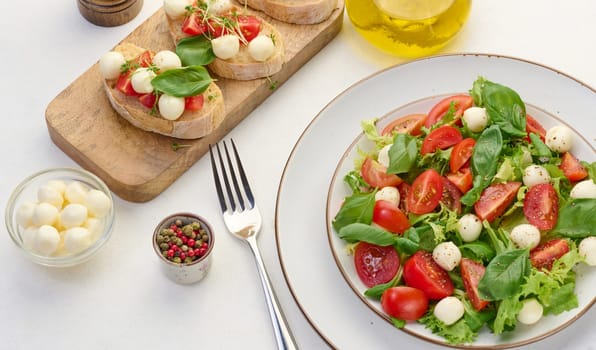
(183, 242)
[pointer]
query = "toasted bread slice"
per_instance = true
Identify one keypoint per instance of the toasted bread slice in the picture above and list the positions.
(190, 125)
(295, 11)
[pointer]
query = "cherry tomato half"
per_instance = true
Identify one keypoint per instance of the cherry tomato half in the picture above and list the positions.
(572, 168)
(148, 100)
(404, 303)
(124, 84)
(194, 103)
(194, 24)
(388, 216)
(451, 195)
(461, 103)
(533, 126)
(250, 26)
(441, 138)
(471, 272)
(461, 154)
(462, 179)
(545, 254)
(495, 199)
(422, 272)
(376, 175)
(541, 206)
(409, 124)
(375, 264)
(426, 192)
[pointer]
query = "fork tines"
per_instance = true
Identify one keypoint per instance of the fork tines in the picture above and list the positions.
(237, 197)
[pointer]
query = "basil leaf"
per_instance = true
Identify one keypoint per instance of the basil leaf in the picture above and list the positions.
(505, 108)
(183, 82)
(577, 218)
(540, 149)
(366, 233)
(504, 275)
(195, 51)
(402, 154)
(409, 243)
(356, 208)
(477, 250)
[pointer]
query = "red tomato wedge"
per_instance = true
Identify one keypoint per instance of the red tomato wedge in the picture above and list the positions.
(572, 168)
(533, 126)
(145, 59)
(495, 199)
(404, 303)
(462, 179)
(451, 195)
(541, 206)
(194, 103)
(471, 272)
(194, 24)
(388, 216)
(441, 138)
(461, 154)
(409, 124)
(124, 84)
(545, 254)
(148, 100)
(404, 188)
(426, 192)
(461, 103)
(376, 175)
(375, 264)
(422, 272)
(250, 26)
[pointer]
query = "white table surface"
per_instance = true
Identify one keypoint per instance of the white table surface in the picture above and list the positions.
(120, 299)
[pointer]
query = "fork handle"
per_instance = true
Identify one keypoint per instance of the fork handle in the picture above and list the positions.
(283, 335)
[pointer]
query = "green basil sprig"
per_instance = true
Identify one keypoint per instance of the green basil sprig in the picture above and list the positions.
(505, 275)
(195, 51)
(182, 82)
(402, 154)
(577, 218)
(356, 208)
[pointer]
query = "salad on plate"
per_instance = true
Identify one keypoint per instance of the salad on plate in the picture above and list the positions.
(471, 216)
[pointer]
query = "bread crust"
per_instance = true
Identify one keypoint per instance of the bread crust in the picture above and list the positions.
(295, 11)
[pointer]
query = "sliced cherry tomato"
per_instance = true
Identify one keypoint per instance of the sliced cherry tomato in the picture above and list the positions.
(461, 154)
(461, 103)
(194, 103)
(572, 168)
(404, 188)
(426, 192)
(409, 124)
(250, 26)
(533, 126)
(495, 199)
(545, 254)
(541, 206)
(148, 100)
(442, 137)
(404, 303)
(422, 272)
(145, 59)
(375, 264)
(194, 24)
(376, 175)
(124, 84)
(471, 272)
(462, 179)
(451, 195)
(388, 216)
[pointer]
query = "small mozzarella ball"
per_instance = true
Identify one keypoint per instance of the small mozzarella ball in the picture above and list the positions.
(94, 225)
(530, 312)
(587, 250)
(383, 156)
(98, 203)
(525, 236)
(73, 215)
(469, 227)
(176, 8)
(28, 236)
(447, 255)
(47, 194)
(449, 310)
(166, 59)
(261, 48)
(141, 80)
(58, 185)
(75, 192)
(216, 7)
(110, 63)
(77, 239)
(226, 46)
(559, 138)
(535, 174)
(389, 193)
(24, 214)
(170, 107)
(44, 214)
(475, 118)
(46, 241)
(584, 189)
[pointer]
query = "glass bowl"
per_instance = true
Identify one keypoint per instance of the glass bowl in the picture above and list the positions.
(98, 221)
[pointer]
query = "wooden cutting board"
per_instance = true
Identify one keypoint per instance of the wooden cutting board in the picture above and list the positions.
(138, 165)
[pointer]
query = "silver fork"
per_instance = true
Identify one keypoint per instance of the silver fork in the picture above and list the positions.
(243, 219)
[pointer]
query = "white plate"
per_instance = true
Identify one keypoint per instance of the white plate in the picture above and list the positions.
(337, 313)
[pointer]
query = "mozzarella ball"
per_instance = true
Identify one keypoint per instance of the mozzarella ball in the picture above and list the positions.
(469, 227)
(389, 193)
(216, 7)
(535, 174)
(75, 192)
(525, 236)
(98, 203)
(73, 215)
(584, 189)
(170, 107)
(46, 240)
(176, 8)
(447, 255)
(166, 59)
(77, 239)
(95, 226)
(530, 312)
(559, 138)
(449, 310)
(47, 194)
(226, 46)
(58, 185)
(383, 156)
(261, 48)
(44, 214)
(28, 236)
(24, 214)
(587, 250)
(141, 80)
(110, 64)
(475, 118)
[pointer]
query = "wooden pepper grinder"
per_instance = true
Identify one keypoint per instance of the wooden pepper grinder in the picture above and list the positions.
(109, 13)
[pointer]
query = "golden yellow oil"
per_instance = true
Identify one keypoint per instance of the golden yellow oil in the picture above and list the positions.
(408, 28)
